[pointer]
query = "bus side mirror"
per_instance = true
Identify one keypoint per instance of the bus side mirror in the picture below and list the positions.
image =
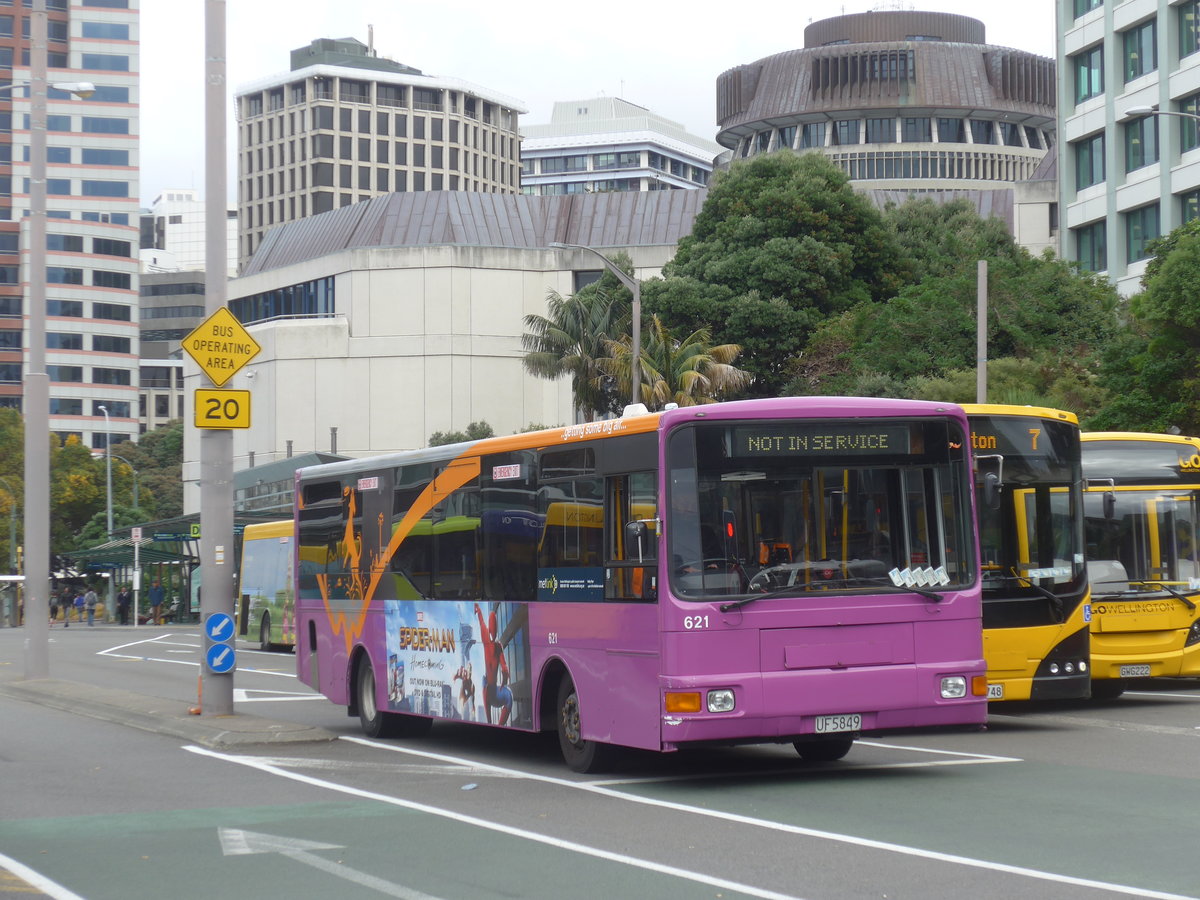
(634, 532)
(991, 490)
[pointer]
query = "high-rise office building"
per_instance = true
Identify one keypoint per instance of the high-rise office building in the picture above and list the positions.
(1125, 177)
(346, 125)
(92, 226)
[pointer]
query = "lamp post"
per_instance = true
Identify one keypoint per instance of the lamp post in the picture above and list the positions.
(107, 472)
(635, 288)
(36, 396)
(12, 526)
(135, 477)
(108, 504)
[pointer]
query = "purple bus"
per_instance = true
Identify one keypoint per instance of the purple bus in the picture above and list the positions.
(799, 570)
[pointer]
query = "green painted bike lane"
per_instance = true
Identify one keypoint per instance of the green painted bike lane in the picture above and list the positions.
(364, 848)
(1121, 828)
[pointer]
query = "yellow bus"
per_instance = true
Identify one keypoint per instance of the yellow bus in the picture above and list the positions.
(267, 599)
(1029, 494)
(1142, 524)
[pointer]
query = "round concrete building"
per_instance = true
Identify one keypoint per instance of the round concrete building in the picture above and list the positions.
(904, 101)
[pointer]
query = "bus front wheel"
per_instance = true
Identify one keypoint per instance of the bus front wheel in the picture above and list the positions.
(379, 724)
(579, 754)
(823, 751)
(1108, 688)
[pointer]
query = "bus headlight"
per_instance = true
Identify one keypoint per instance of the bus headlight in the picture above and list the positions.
(1193, 635)
(954, 687)
(720, 701)
(1053, 668)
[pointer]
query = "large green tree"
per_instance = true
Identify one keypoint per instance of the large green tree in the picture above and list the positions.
(781, 243)
(1040, 309)
(1153, 372)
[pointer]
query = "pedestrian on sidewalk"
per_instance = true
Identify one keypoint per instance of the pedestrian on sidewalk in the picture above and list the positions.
(79, 603)
(156, 601)
(53, 608)
(124, 598)
(89, 601)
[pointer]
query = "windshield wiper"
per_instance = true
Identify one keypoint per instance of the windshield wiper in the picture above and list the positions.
(1056, 602)
(793, 590)
(1178, 596)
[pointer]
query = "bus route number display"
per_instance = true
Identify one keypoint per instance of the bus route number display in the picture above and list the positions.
(858, 439)
(222, 408)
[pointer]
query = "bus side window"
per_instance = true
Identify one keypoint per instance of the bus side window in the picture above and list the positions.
(631, 564)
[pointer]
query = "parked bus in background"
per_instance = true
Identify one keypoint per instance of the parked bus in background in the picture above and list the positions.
(798, 570)
(1029, 487)
(1143, 522)
(266, 607)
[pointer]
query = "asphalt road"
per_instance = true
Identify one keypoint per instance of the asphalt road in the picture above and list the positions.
(1082, 800)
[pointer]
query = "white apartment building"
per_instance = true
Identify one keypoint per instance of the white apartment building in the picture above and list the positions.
(346, 125)
(173, 238)
(1125, 178)
(609, 144)
(92, 229)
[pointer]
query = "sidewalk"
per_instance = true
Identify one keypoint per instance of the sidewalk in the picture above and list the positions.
(160, 716)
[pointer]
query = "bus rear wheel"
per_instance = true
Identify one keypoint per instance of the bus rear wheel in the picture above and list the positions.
(823, 751)
(579, 754)
(264, 633)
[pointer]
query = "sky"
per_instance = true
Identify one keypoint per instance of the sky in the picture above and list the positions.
(665, 56)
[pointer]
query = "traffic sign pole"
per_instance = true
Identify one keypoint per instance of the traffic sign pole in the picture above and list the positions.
(219, 349)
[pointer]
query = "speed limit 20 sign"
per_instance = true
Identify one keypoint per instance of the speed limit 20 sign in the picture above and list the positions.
(222, 409)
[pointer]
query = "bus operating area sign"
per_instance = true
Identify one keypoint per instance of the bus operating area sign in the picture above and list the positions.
(220, 345)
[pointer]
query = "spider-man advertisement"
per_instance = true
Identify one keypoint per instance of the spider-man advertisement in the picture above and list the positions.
(459, 660)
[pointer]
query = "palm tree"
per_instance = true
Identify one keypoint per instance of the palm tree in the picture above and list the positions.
(687, 372)
(570, 339)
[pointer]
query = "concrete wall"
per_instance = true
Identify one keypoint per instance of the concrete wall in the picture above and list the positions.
(425, 339)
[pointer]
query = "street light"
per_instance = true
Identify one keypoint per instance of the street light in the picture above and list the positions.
(12, 526)
(635, 287)
(135, 477)
(107, 471)
(36, 396)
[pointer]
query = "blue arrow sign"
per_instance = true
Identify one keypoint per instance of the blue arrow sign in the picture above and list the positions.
(220, 658)
(219, 627)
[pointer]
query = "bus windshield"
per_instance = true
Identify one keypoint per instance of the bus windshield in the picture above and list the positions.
(1029, 525)
(1140, 539)
(839, 506)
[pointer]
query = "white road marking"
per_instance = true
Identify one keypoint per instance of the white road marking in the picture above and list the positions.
(235, 842)
(37, 879)
(853, 840)
(558, 843)
(242, 695)
(1168, 695)
(195, 663)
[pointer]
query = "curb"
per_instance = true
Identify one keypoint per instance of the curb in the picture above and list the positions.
(161, 716)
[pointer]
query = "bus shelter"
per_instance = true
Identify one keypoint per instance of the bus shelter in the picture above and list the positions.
(137, 563)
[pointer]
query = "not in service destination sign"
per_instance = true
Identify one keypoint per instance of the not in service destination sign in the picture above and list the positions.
(816, 439)
(221, 345)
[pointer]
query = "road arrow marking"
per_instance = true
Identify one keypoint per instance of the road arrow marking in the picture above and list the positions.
(236, 842)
